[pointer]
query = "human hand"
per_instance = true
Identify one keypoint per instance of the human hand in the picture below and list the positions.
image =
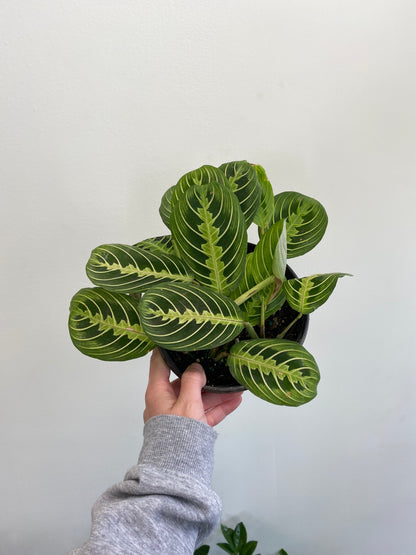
(183, 397)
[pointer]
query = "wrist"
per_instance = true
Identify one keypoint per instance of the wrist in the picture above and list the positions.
(179, 444)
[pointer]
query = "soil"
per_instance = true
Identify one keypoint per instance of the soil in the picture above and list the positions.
(217, 372)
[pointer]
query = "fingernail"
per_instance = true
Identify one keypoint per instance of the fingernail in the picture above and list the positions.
(195, 367)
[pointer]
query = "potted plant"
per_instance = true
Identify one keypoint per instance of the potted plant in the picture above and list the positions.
(236, 542)
(202, 292)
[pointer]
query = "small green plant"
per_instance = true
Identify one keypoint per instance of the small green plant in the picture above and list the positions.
(236, 542)
(198, 287)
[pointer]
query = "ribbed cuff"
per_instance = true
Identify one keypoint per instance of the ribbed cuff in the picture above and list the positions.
(179, 444)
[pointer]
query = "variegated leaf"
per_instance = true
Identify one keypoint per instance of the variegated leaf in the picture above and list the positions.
(276, 370)
(106, 325)
(265, 251)
(209, 233)
(201, 176)
(280, 255)
(165, 208)
(189, 317)
(307, 294)
(265, 211)
(162, 244)
(244, 184)
(128, 269)
(253, 306)
(306, 221)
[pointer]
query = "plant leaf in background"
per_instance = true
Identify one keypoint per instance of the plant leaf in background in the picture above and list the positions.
(237, 543)
(106, 325)
(265, 211)
(203, 550)
(185, 317)
(306, 221)
(276, 370)
(128, 269)
(244, 184)
(240, 536)
(162, 244)
(307, 294)
(209, 233)
(165, 208)
(201, 176)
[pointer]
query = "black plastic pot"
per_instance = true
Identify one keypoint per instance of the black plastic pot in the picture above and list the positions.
(219, 379)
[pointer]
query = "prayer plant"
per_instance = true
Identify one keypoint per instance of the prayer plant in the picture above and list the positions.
(199, 288)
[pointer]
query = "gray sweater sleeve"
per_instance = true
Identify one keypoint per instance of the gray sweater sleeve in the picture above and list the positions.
(165, 505)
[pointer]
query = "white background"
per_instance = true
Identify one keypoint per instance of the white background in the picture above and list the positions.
(104, 105)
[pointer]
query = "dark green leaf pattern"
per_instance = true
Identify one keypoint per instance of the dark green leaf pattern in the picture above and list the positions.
(106, 325)
(189, 317)
(128, 269)
(165, 209)
(307, 294)
(209, 233)
(276, 370)
(264, 214)
(201, 176)
(162, 244)
(306, 221)
(244, 184)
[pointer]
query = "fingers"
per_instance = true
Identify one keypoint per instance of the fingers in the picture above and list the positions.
(192, 381)
(184, 397)
(160, 396)
(158, 371)
(189, 401)
(210, 399)
(217, 413)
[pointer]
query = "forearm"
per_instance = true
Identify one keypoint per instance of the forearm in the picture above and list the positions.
(165, 505)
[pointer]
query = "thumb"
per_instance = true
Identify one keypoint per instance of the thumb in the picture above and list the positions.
(192, 381)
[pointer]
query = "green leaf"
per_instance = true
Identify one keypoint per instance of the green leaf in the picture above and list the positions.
(128, 269)
(201, 176)
(228, 534)
(189, 317)
(202, 550)
(226, 547)
(244, 184)
(209, 233)
(165, 209)
(280, 255)
(282, 552)
(265, 251)
(306, 221)
(276, 370)
(162, 244)
(106, 325)
(252, 307)
(307, 294)
(248, 548)
(265, 211)
(239, 535)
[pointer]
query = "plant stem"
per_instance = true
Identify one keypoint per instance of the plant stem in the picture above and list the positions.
(221, 355)
(278, 285)
(287, 328)
(245, 296)
(263, 319)
(251, 331)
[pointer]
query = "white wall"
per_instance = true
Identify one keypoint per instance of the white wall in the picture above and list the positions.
(104, 105)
